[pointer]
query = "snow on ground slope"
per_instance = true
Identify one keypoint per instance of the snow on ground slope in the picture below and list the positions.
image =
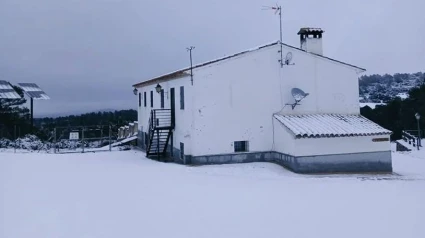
(123, 194)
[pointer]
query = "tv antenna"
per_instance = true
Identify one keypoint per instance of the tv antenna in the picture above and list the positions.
(278, 9)
(298, 95)
(191, 66)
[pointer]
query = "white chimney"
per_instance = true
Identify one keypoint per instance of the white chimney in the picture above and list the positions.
(311, 40)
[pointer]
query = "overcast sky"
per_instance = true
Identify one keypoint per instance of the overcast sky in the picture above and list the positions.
(86, 54)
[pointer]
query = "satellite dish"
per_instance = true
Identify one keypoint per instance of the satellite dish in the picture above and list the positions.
(288, 58)
(298, 95)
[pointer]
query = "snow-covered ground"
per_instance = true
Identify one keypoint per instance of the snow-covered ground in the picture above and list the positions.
(122, 194)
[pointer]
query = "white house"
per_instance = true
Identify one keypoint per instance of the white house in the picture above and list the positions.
(240, 109)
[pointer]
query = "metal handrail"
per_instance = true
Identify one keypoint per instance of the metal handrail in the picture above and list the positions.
(411, 136)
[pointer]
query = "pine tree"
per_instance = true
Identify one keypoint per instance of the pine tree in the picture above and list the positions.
(13, 113)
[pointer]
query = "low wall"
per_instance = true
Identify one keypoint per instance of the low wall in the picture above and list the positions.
(338, 163)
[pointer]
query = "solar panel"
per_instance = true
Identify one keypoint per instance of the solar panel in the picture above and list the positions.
(7, 91)
(34, 91)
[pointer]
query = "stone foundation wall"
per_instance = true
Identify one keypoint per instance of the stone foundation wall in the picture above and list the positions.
(368, 162)
(340, 163)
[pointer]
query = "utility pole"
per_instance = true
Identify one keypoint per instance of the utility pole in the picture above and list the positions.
(191, 66)
(32, 116)
(110, 141)
(279, 8)
(418, 143)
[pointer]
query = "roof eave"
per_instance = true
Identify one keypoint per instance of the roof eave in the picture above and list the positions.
(358, 69)
(175, 74)
(181, 73)
(160, 79)
(299, 136)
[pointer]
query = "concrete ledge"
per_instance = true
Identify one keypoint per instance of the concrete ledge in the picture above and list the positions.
(368, 162)
(345, 163)
(340, 163)
(233, 158)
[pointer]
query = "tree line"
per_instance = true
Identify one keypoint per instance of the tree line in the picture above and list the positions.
(398, 115)
(13, 114)
(114, 119)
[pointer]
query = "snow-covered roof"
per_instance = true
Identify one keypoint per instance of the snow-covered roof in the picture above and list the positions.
(330, 125)
(403, 95)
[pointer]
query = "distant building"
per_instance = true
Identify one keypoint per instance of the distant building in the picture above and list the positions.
(240, 109)
(403, 95)
(372, 105)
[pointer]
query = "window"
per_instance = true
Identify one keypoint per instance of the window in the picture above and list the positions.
(241, 146)
(181, 150)
(140, 99)
(144, 98)
(151, 98)
(162, 98)
(181, 97)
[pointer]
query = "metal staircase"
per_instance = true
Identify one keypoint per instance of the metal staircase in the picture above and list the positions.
(161, 127)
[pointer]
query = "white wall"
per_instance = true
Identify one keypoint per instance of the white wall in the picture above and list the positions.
(284, 141)
(183, 118)
(234, 99)
(333, 87)
(340, 145)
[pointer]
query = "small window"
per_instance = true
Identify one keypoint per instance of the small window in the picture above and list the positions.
(181, 97)
(162, 98)
(151, 98)
(144, 98)
(140, 99)
(241, 146)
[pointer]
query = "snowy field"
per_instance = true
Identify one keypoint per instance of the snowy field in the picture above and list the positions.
(122, 194)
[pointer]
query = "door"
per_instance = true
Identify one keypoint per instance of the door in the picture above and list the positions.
(173, 106)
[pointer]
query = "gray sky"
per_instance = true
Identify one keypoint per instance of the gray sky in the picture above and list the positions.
(86, 54)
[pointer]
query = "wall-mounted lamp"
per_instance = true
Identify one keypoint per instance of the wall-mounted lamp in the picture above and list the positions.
(158, 88)
(135, 91)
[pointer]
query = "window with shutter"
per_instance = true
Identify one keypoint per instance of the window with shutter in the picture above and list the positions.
(140, 99)
(181, 97)
(144, 98)
(151, 98)
(162, 98)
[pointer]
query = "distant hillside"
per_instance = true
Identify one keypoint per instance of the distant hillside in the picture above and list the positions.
(115, 119)
(74, 112)
(94, 118)
(383, 88)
